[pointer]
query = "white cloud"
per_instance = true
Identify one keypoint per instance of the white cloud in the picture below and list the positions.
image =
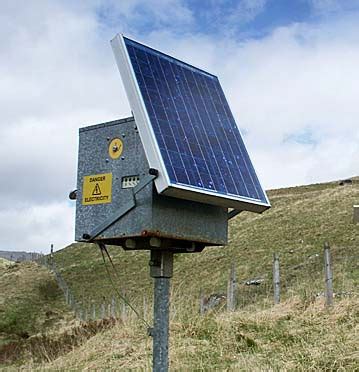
(299, 79)
(327, 7)
(35, 228)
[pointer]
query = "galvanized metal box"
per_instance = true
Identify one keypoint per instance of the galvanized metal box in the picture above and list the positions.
(111, 161)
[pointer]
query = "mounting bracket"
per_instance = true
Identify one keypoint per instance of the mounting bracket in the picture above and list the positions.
(150, 177)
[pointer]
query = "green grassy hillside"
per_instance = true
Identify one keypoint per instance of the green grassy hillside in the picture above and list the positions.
(30, 302)
(300, 221)
(287, 337)
(4, 263)
(298, 334)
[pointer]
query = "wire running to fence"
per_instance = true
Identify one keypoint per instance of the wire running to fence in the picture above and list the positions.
(83, 310)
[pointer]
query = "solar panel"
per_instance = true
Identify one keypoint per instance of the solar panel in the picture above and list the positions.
(187, 129)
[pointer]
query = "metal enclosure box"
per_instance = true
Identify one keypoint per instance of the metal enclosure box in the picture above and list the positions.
(170, 222)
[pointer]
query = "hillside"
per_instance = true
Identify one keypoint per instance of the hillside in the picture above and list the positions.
(300, 220)
(296, 334)
(4, 263)
(16, 255)
(30, 302)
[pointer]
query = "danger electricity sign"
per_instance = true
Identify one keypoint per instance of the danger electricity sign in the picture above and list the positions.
(97, 189)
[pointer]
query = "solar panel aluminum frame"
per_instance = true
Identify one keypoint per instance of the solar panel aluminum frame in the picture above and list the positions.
(152, 151)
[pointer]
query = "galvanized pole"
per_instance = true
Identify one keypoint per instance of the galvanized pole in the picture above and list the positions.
(276, 278)
(161, 269)
(328, 276)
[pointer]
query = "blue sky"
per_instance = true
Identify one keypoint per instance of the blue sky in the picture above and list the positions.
(243, 19)
(289, 70)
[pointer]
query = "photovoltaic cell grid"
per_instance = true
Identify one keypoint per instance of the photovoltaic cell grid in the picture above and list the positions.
(195, 130)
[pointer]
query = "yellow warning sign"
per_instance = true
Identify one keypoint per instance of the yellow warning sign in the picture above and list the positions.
(97, 189)
(115, 148)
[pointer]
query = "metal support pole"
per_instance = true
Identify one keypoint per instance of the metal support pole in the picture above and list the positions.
(161, 269)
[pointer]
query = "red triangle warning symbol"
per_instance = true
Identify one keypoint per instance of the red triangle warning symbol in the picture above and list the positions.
(97, 190)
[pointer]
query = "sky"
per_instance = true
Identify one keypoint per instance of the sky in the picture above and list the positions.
(289, 70)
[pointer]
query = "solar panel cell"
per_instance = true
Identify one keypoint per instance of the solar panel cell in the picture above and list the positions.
(196, 134)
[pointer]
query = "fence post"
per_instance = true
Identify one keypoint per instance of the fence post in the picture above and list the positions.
(231, 291)
(103, 311)
(328, 276)
(85, 312)
(201, 302)
(81, 313)
(94, 311)
(109, 311)
(67, 297)
(113, 307)
(123, 307)
(276, 278)
(144, 307)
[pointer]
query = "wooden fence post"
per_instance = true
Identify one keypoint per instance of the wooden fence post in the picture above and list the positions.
(67, 296)
(328, 276)
(123, 307)
(85, 312)
(145, 308)
(94, 311)
(276, 278)
(81, 314)
(103, 311)
(201, 302)
(113, 307)
(231, 290)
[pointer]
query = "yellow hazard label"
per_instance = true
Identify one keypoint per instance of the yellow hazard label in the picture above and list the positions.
(115, 148)
(97, 189)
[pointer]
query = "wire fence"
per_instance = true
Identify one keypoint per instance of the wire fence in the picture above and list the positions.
(322, 274)
(83, 310)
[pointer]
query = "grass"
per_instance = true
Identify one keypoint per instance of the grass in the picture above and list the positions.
(299, 334)
(300, 220)
(30, 302)
(4, 263)
(289, 336)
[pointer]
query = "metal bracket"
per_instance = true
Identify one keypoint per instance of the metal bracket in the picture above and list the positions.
(161, 264)
(233, 213)
(150, 177)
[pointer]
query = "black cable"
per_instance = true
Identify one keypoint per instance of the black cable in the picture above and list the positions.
(123, 298)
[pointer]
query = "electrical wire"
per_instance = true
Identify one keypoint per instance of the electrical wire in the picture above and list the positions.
(103, 249)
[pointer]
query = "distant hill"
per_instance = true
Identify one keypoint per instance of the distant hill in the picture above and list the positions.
(17, 255)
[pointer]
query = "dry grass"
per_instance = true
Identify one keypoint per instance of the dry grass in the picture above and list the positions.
(5, 263)
(30, 302)
(289, 336)
(299, 334)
